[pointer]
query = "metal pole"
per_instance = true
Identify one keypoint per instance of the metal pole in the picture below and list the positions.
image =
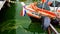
(54, 7)
(54, 29)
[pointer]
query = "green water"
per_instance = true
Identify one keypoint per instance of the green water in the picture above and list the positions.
(12, 23)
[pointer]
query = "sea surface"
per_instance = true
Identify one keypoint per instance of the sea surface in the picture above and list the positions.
(11, 22)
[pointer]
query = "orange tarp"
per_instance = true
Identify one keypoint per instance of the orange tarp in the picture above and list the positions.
(42, 11)
(43, 1)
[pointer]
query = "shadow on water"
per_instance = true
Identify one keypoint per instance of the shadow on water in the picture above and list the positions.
(7, 13)
(7, 19)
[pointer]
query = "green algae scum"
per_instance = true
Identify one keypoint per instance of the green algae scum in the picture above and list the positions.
(12, 23)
